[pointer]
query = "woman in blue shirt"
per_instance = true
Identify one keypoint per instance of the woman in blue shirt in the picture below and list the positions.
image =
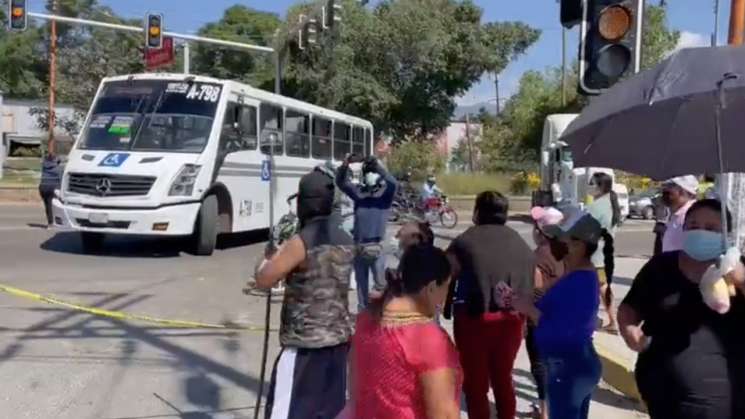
(565, 317)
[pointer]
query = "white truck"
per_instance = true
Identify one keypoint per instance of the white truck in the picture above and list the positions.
(562, 184)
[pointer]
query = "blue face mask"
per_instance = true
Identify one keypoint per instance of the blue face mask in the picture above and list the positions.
(702, 245)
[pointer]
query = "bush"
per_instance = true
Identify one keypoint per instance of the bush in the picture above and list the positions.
(419, 158)
(523, 182)
(473, 183)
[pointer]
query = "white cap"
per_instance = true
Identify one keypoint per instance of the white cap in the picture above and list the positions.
(688, 183)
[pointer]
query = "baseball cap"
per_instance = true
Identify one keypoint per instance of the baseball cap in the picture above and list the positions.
(578, 225)
(688, 183)
(546, 216)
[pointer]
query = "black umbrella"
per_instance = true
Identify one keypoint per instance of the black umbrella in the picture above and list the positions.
(684, 116)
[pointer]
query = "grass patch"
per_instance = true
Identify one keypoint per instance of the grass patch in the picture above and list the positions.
(473, 183)
(23, 163)
(13, 180)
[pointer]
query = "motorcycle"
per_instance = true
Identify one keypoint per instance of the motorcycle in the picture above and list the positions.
(439, 209)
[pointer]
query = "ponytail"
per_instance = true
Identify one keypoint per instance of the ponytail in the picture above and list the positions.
(610, 265)
(616, 207)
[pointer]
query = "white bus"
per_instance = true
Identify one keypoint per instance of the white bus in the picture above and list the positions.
(178, 155)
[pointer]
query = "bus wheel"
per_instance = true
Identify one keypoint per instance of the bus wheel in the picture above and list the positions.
(205, 234)
(92, 242)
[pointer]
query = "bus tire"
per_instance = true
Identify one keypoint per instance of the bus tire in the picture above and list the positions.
(92, 242)
(205, 234)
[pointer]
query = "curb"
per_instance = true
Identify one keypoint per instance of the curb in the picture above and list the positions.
(617, 373)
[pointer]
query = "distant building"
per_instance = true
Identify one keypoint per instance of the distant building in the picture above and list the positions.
(447, 141)
(19, 127)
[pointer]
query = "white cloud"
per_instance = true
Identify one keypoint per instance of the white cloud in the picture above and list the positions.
(693, 40)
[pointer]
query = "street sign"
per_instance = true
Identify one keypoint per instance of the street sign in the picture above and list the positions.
(266, 171)
(160, 57)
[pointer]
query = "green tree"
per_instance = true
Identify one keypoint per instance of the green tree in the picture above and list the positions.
(416, 157)
(239, 24)
(402, 63)
(658, 39)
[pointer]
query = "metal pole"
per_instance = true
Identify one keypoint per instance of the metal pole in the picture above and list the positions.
(563, 66)
(116, 26)
(268, 303)
(715, 35)
(468, 140)
(52, 80)
(187, 58)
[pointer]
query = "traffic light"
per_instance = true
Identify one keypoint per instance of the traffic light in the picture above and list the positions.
(154, 31)
(610, 43)
(17, 17)
(571, 12)
(331, 13)
(311, 32)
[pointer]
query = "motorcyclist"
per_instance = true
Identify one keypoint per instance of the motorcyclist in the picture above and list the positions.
(431, 193)
(372, 199)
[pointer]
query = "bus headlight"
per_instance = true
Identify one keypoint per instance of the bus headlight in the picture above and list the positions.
(183, 185)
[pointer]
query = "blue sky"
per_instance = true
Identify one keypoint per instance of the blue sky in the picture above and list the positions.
(694, 18)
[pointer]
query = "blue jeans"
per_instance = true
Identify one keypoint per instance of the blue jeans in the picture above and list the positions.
(362, 269)
(571, 380)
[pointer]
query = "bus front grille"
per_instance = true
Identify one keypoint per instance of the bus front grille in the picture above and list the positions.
(109, 185)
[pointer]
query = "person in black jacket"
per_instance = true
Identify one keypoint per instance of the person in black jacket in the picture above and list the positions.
(51, 179)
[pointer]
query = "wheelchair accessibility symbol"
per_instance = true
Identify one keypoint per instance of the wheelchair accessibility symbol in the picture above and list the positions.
(266, 171)
(114, 160)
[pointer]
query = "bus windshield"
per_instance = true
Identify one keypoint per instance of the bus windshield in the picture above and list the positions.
(152, 115)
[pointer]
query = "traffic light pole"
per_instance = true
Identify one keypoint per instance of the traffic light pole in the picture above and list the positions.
(737, 22)
(175, 35)
(52, 120)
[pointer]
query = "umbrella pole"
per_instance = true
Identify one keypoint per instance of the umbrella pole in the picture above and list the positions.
(718, 137)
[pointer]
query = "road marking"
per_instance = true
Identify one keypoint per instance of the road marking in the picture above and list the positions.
(121, 315)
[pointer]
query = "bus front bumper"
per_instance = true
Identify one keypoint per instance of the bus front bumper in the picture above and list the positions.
(170, 220)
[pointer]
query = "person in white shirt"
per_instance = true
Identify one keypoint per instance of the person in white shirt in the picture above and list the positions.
(430, 193)
(678, 194)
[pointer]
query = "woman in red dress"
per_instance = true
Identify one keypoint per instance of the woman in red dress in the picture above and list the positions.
(403, 365)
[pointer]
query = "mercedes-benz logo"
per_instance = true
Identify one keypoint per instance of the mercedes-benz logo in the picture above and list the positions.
(103, 186)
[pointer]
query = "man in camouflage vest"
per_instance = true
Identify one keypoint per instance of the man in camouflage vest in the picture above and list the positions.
(309, 378)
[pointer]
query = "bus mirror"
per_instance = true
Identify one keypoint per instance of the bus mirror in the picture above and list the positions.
(544, 158)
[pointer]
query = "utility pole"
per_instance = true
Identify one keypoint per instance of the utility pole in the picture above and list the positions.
(715, 35)
(496, 98)
(469, 142)
(563, 66)
(52, 79)
(737, 22)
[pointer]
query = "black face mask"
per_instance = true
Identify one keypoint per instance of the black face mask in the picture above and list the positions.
(559, 250)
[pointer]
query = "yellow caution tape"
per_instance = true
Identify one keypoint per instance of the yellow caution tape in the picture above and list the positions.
(120, 315)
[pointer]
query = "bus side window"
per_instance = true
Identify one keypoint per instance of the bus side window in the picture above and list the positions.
(239, 128)
(342, 145)
(358, 141)
(272, 129)
(229, 135)
(321, 148)
(298, 140)
(368, 142)
(246, 116)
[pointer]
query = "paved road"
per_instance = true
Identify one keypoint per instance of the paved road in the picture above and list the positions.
(63, 364)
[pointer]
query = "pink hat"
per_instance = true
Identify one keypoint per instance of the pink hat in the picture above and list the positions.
(546, 216)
